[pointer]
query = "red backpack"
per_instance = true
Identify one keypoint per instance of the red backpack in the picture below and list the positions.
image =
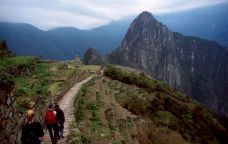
(50, 117)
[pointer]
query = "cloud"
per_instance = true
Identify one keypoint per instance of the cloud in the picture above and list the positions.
(87, 14)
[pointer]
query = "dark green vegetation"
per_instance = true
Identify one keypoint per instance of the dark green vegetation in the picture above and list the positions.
(30, 78)
(141, 80)
(127, 106)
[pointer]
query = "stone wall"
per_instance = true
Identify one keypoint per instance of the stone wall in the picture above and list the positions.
(10, 117)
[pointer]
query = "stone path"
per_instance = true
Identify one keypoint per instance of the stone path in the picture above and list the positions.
(66, 104)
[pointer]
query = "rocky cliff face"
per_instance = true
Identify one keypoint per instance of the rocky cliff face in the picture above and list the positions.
(91, 57)
(194, 66)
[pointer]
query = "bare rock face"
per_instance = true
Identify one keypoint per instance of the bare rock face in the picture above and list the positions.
(194, 66)
(91, 57)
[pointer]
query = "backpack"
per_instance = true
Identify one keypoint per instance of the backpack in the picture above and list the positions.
(60, 116)
(50, 117)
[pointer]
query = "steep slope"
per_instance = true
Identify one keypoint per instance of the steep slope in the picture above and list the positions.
(194, 66)
(128, 107)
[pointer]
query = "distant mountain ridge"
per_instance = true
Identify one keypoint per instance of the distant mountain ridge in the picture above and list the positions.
(192, 65)
(66, 42)
(59, 43)
(207, 23)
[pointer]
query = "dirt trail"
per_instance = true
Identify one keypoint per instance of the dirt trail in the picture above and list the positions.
(66, 104)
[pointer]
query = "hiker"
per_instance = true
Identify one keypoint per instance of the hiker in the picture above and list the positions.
(32, 132)
(51, 124)
(61, 120)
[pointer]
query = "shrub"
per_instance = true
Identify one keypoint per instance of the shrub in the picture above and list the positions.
(166, 119)
(130, 78)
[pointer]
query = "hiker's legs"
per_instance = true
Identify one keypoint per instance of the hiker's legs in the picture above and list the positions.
(61, 129)
(61, 132)
(56, 132)
(50, 127)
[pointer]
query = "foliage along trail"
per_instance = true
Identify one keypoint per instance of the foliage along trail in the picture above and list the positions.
(66, 104)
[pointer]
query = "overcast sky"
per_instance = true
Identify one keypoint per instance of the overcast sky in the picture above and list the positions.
(86, 14)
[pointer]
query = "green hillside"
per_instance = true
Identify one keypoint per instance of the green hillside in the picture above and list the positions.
(128, 107)
(37, 81)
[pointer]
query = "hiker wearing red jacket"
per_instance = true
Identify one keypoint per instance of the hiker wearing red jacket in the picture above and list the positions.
(51, 124)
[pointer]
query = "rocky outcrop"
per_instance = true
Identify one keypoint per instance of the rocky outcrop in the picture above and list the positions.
(91, 57)
(194, 66)
(4, 51)
(19, 71)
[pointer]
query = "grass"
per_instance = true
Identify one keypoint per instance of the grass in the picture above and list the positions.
(24, 103)
(23, 81)
(89, 67)
(141, 80)
(16, 61)
(79, 138)
(62, 74)
(41, 70)
(23, 90)
(29, 88)
(79, 101)
(130, 78)
(39, 83)
(93, 106)
(166, 119)
(55, 87)
(96, 120)
(88, 107)
(79, 107)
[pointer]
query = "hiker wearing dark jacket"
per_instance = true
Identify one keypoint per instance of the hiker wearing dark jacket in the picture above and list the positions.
(32, 132)
(51, 124)
(61, 120)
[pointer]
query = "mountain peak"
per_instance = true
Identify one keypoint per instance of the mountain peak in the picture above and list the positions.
(146, 29)
(93, 57)
(151, 47)
(146, 14)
